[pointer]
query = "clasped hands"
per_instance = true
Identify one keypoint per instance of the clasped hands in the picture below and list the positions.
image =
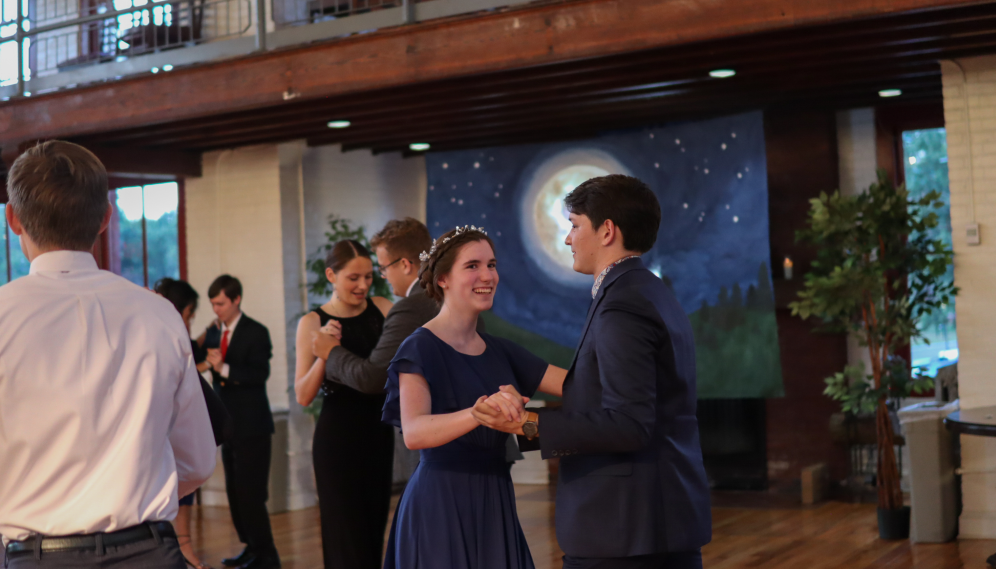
(326, 339)
(504, 411)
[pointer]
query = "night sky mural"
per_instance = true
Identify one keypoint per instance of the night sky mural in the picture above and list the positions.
(712, 248)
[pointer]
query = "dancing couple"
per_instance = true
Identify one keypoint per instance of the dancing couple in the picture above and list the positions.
(632, 491)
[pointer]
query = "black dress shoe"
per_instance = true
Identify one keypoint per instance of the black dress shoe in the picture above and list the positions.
(263, 562)
(241, 559)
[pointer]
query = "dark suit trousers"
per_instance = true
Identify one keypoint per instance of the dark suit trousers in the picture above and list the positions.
(247, 476)
(680, 560)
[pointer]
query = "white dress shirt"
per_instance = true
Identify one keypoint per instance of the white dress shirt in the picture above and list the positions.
(231, 332)
(411, 287)
(102, 417)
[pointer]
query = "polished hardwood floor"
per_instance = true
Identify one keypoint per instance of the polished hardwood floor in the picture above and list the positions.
(750, 530)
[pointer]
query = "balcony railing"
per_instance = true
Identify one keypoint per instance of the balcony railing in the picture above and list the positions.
(66, 43)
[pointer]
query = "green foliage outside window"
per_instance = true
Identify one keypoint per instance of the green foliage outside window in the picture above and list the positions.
(925, 162)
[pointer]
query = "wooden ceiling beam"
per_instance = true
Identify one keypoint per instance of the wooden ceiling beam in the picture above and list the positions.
(466, 46)
(140, 162)
(419, 108)
(532, 136)
(650, 113)
(453, 114)
(455, 117)
(385, 113)
(690, 58)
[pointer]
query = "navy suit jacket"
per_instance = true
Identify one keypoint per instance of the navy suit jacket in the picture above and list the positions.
(244, 390)
(632, 480)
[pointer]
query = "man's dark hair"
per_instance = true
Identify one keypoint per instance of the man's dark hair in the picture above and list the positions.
(58, 191)
(627, 201)
(225, 284)
(180, 293)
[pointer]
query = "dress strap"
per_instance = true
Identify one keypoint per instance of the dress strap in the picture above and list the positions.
(323, 317)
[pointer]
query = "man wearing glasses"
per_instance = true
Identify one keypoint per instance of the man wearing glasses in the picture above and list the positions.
(397, 247)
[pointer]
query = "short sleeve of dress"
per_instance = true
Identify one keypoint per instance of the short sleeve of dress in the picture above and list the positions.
(527, 367)
(408, 359)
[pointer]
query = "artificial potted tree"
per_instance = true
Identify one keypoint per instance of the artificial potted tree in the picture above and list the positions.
(880, 269)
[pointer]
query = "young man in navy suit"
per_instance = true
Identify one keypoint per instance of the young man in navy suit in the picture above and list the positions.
(633, 491)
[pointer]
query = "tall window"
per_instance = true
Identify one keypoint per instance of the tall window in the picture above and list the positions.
(925, 154)
(13, 263)
(143, 238)
(8, 47)
(141, 244)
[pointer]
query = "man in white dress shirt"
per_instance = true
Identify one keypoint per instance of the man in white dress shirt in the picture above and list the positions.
(103, 424)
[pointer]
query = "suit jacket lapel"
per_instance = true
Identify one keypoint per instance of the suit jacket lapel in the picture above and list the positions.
(615, 273)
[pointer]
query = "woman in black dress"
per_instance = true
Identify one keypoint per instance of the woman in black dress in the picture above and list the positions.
(184, 298)
(353, 451)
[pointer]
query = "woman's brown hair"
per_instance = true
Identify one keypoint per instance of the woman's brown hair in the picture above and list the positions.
(440, 261)
(343, 252)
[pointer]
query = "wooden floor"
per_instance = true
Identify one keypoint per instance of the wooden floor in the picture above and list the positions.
(761, 533)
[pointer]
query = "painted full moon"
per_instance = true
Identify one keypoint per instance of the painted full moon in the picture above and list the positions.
(550, 216)
(545, 218)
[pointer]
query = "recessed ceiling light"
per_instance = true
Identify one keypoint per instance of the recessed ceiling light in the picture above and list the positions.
(890, 92)
(722, 73)
(339, 124)
(155, 70)
(167, 67)
(419, 146)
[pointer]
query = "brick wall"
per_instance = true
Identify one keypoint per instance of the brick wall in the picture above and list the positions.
(970, 117)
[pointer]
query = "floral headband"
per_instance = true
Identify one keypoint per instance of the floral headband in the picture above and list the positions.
(426, 255)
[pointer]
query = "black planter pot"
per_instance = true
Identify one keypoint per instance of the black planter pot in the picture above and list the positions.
(894, 524)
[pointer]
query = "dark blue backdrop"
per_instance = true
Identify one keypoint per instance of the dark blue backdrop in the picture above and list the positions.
(711, 181)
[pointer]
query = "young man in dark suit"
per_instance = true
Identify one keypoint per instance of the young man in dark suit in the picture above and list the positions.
(633, 491)
(240, 366)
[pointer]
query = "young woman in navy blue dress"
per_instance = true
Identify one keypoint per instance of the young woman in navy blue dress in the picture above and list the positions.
(458, 510)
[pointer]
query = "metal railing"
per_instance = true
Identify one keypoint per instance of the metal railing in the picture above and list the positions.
(135, 31)
(66, 43)
(299, 12)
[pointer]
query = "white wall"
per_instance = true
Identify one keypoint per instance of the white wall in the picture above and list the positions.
(366, 189)
(970, 119)
(234, 226)
(244, 217)
(856, 170)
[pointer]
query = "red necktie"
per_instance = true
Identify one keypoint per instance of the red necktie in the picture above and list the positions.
(224, 344)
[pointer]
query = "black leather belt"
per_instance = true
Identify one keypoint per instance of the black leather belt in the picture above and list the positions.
(85, 542)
